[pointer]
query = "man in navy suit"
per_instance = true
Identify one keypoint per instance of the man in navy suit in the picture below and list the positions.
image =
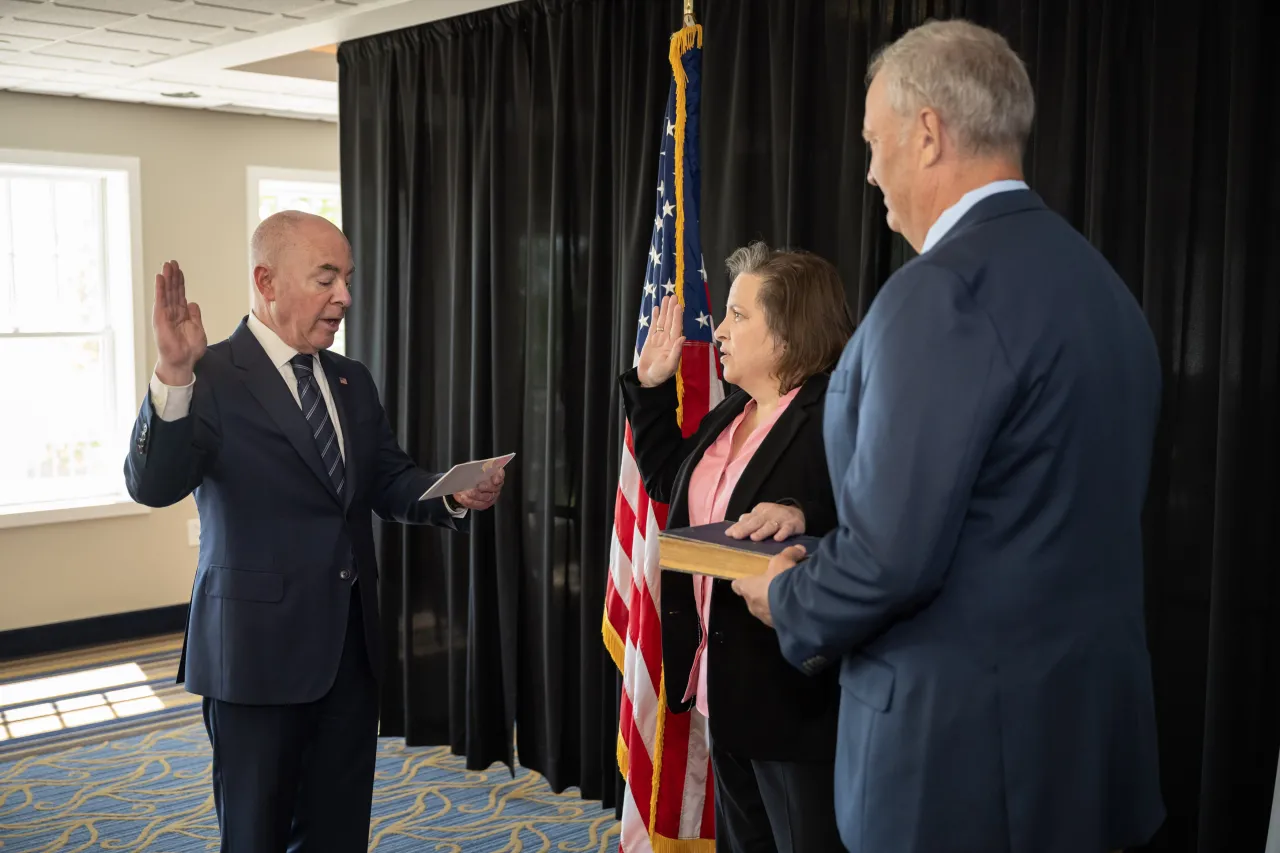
(989, 431)
(289, 453)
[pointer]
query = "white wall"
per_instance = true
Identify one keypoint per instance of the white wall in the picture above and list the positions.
(194, 209)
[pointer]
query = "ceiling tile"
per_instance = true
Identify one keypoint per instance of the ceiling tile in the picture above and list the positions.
(86, 53)
(269, 6)
(206, 99)
(322, 11)
(205, 95)
(76, 50)
(101, 49)
(195, 77)
(161, 87)
(123, 7)
(15, 42)
(249, 83)
(130, 41)
(152, 26)
(18, 7)
(8, 69)
(214, 16)
(227, 35)
(40, 60)
(51, 87)
(89, 79)
(253, 99)
(275, 24)
(58, 14)
(286, 103)
(38, 29)
(127, 95)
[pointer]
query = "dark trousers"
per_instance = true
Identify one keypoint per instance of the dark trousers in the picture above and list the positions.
(774, 806)
(299, 777)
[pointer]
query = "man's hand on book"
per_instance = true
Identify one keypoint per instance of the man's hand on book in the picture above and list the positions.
(768, 520)
(755, 590)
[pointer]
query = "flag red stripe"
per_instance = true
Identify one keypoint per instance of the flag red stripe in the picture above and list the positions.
(675, 762)
(616, 608)
(640, 779)
(650, 634)
(624, 523)
(695, 363)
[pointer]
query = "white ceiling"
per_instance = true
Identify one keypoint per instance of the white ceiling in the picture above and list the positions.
(147, 51)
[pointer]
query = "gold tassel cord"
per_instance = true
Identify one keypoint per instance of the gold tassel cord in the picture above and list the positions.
(681, 42)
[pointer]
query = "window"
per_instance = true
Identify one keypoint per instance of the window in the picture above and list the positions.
(70, 281)
(273, 190)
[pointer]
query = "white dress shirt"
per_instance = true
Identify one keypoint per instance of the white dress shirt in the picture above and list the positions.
(956, 212)
(173, 402)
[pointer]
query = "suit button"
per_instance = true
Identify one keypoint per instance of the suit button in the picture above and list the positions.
(345, 574)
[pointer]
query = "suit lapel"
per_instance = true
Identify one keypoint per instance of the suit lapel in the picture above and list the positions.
(766, 457)
(266, 384)
(341, 393)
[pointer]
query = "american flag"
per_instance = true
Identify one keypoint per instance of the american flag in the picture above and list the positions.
(668, 805)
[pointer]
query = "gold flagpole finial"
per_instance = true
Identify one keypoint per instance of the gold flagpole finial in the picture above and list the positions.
(689, 20)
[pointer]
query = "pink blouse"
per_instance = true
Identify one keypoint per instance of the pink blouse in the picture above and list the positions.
(710, 488)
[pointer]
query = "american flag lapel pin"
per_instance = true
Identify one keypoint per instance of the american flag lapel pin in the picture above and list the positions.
(342, 380)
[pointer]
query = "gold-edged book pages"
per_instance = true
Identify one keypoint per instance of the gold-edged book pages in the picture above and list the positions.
(706, 550)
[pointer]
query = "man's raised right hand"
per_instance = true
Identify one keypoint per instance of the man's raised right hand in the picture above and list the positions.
(180, 336)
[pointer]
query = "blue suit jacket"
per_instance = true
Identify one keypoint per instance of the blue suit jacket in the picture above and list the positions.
(989, 430)
(278, 548)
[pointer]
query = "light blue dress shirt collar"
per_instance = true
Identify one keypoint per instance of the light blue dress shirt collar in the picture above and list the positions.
(955, 212)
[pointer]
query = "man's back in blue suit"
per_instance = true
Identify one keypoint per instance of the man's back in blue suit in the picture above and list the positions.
(989, 431)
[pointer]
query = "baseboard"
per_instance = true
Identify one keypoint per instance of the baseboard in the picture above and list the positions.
(62, 636)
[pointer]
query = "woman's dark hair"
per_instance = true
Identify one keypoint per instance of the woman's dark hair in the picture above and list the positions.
(804, 306)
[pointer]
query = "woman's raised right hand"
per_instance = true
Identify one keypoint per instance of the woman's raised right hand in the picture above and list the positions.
(660, 355)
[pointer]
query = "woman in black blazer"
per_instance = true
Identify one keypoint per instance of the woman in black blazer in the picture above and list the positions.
(757, 457)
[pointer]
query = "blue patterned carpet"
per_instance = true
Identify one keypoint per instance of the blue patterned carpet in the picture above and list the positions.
(151, 792)
(100, 750)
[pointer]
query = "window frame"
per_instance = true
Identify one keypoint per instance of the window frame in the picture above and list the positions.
(127, 323)
(254, 176)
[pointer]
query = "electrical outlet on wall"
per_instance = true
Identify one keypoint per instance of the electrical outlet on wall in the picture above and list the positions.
(193, 532)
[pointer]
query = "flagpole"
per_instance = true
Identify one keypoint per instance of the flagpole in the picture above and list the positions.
(689, 20)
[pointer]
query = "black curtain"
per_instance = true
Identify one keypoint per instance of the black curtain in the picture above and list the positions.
(495, 169)
(496, 178)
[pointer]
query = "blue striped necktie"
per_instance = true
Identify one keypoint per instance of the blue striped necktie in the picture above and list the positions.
(318, 417)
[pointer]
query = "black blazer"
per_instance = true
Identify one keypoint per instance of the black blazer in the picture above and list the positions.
(761, 707)
(278, 546)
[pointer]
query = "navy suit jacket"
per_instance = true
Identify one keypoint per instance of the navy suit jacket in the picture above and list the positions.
(989, 430)
(278, 547)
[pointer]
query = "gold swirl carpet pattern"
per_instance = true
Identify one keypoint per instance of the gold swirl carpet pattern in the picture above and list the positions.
(138, 779)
